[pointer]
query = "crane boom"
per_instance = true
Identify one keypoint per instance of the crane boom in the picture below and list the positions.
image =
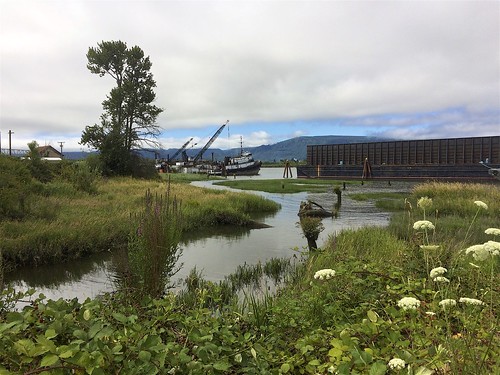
(181, 149)
(209, 143)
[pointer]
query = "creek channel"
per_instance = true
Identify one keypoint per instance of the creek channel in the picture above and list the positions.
(216, 252)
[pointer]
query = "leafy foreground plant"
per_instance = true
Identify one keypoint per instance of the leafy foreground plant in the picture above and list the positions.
(356, 308)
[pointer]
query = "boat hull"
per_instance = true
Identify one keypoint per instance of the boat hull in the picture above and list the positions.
(248, 169)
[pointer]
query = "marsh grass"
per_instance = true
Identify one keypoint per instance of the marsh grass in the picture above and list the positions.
(67, 223)
(285, 186)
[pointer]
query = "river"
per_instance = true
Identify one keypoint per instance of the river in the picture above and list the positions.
(216, 252)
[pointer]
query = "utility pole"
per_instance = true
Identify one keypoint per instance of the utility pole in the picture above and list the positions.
(10, 142)
(61, 145)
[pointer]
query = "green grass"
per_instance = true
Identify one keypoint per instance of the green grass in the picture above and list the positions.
(285, 186)
(66, 224)
(350, 324)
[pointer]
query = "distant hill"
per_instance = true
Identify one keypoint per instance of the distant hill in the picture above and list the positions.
(294, 148)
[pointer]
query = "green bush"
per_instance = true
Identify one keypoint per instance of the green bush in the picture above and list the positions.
(16, 188)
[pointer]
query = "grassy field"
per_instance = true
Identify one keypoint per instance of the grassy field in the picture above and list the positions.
(285, 186)
(65, 223)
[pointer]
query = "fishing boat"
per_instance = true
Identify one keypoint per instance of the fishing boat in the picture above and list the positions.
(242, 165)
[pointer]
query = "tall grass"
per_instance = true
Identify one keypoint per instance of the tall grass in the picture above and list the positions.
(67, 223)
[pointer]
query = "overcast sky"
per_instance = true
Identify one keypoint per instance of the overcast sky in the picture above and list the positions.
(275, 69)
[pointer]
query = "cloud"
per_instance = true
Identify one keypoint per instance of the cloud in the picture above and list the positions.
(255, 63)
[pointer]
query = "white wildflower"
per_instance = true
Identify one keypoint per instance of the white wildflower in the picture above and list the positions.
(492, 247)
(430, 313)
(424, 203)
(396, 364)
(481, 204)
(484, 251)
(423, 225)
(438, 271)
(325, 274)
(493, 231)
(441, 279)
(447, 303)
(430, 247)
(409, 303)
(470, 301)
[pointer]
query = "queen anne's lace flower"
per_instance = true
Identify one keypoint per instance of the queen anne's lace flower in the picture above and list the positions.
(493, 231)
(470, 301)
(484, 251)
(409, 303)
(438, 271)
(447, 303)
(396, 364)
(424, 203)
(441, 279)
(325, 274)
(492, 247)
(423, 225)
(481, 204)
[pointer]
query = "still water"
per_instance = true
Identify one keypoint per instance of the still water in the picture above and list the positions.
(216, 252)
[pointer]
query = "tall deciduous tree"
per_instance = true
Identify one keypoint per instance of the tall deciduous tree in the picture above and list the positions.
(129, 119)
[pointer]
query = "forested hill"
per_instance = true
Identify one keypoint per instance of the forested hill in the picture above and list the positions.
(295, 148)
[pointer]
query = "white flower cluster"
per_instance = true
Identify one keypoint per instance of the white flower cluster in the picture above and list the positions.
(438, 271)
(409, 303)
(325, 274)
(470, 301)
(424, 203)
(484, 251)
(481, 204)
(396, 364)
(493, 231)
(447, 303)
(423, 225)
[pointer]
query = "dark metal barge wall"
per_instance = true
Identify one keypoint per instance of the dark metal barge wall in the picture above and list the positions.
(452, 158)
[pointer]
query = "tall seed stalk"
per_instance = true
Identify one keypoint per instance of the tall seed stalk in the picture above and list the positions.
(153, 249)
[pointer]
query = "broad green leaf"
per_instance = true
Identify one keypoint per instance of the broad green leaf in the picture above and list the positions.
(24, 346)
(144, 356)
(335, 352)
(66, 354)
(372, 315)
(50, 333)
(49, 360)
(238, 358)
(378, 368)
(285, 367)
(254, 353)
(221, 366)
(86, 314)
(120, 317)
(314, 362)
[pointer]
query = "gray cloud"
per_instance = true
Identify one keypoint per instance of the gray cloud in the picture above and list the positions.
(255, 62)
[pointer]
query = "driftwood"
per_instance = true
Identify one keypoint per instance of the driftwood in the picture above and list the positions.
(314, 209)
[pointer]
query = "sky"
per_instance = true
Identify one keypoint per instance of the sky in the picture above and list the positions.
(274, 69)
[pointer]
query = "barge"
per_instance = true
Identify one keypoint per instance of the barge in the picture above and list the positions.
(452, 159)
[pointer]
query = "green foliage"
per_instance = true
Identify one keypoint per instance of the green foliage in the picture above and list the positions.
(16, 188)
(153, 247)
(39, 168)
(129, 116)
(352, 323)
